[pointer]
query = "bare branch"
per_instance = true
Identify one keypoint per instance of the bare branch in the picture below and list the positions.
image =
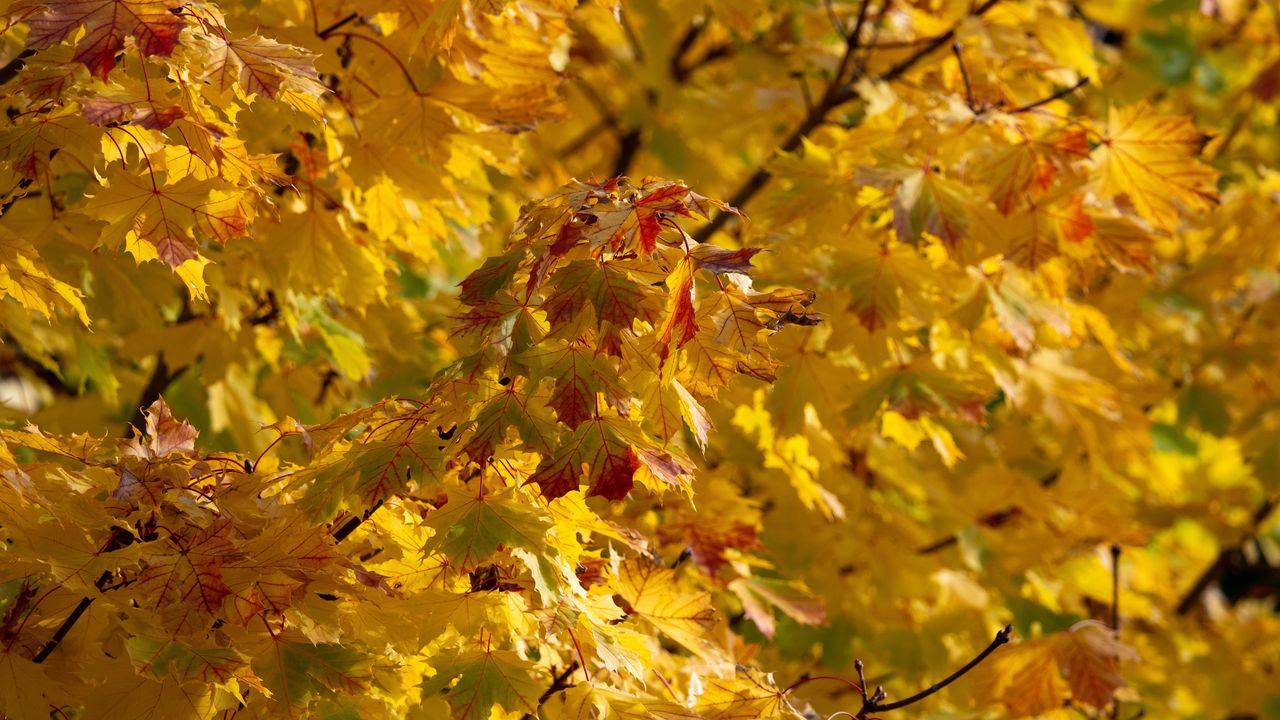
(964, 73)
(62, 630)
(1056, 96)
(839, 91)
(1001, 638)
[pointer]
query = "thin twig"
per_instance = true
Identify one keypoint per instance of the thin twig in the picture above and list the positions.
(838, 26)
(1115, 591)
(1056, 96)
(1115, 612)
(840, 91)
(15, 66)
(964, 73)
(677, 69)
(560, 682)
(62, 630)
(628, 147)
(354, 522)
(804, 91)
(855, 36)
(1001, 638)
(322, 34)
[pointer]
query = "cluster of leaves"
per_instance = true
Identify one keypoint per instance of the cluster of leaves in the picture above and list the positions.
(212, 582)
(285, 182)
(1049, 294)
(1041, 393)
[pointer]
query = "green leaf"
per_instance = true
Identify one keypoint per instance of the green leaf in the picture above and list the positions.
(469, 529)
(295, 670)
(486, 679)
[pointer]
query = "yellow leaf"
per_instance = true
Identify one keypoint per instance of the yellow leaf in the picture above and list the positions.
(681, 613)
(1151, 159)
(35, 289)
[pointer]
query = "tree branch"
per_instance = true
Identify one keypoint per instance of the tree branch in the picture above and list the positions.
(324, 34)
(354, 522)
(161, 378)
(1001, 638)
(628, 147)
(53, 380)
(15, 66)
(560, 682)
(1214, 571)
(62, 630)
(1056, 96)
(840, 91)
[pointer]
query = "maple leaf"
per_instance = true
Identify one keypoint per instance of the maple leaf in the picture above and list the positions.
(379, 463)
(107, 111)
(917, 389)
(680, 324)
(617, 299)
(1089, 655)
(1151, 159)
(486, 680)
(165, 657)
(924, 202)
(151, 23)
(277, 563)
(30, 146)
(185, 581)
(744, 696)
(597, 453)
(294, 669)
(881, 281)
(259, 66)
(653, 594)
(164, 433)
(760, 595)
(35, 289)
(494, 275)
(590, 701)
(508, 409)
(635, 222)
(470, 528)
(165, 215)
(580, 375)
(1034, 677)
(721, 260)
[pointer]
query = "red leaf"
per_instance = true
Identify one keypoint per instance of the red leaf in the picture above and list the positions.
(721, 260)
(681, 323)
(614, 475)
(107, 23)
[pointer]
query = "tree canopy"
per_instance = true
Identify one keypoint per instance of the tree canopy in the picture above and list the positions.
(639, 359)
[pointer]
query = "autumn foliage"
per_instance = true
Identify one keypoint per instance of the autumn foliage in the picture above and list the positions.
(485, 359)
